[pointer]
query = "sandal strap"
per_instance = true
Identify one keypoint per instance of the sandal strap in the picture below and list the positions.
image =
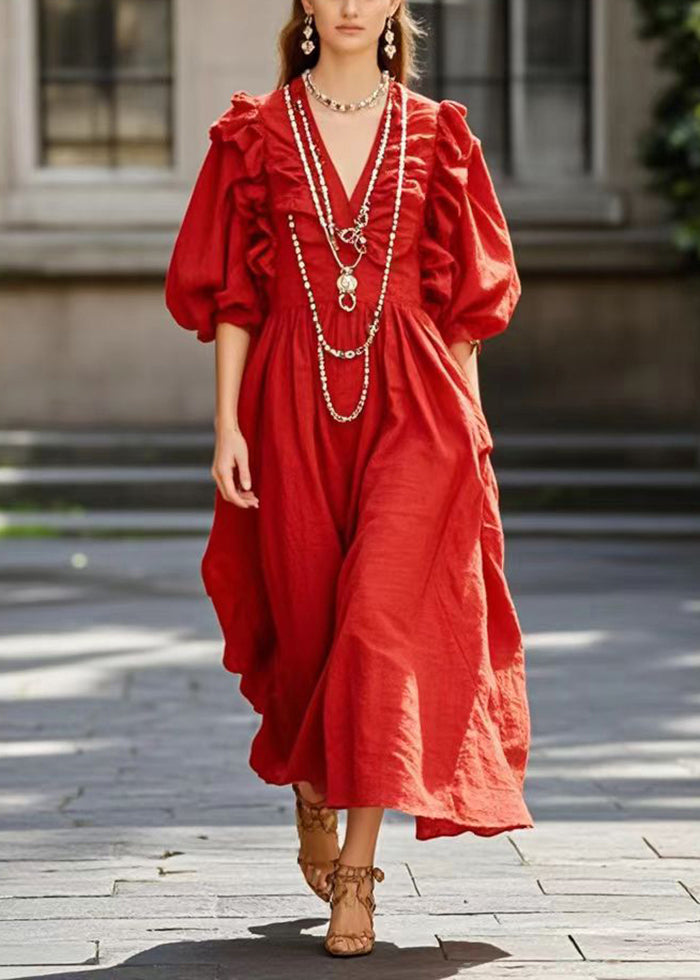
(352, 872)
(367, 934)
(312, 815)
(345, 876)
(305, 863)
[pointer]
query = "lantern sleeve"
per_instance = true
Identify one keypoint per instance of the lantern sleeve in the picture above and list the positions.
(469, 281)
(223, 255)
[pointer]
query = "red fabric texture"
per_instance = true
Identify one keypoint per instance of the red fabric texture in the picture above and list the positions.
(364, 605)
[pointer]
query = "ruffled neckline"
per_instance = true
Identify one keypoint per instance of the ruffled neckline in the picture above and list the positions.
(292, 193)
(351, 202)
(271, 177)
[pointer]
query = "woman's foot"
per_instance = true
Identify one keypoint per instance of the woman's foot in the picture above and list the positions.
(351, 927)
(317, 826)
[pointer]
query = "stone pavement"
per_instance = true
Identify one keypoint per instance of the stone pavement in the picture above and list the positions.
(136, 843)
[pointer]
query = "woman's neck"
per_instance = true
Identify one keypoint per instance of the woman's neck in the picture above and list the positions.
(346, 79)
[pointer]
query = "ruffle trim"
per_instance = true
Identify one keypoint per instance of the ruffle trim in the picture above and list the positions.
(416, 175)
(294, 194)
(454, 144)
(241, 127)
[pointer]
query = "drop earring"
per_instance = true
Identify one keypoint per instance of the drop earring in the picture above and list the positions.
(307, 45)
(389, 46)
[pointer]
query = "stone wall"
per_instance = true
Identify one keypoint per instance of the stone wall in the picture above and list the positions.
(606, 334)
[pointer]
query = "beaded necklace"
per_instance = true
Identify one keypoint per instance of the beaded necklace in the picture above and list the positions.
(369, 100)
(323, 347)
(354, 235)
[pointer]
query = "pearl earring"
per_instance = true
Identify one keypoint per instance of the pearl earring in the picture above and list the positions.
(307, 45)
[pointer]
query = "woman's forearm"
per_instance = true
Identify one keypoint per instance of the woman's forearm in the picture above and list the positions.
(232, 344)
(466, 356)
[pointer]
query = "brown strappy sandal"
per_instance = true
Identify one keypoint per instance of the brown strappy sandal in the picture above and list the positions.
(314, 818)
(352, 884)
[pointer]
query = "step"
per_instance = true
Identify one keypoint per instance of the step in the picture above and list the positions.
(59, 475)
(108, 521)
(607, 450)
(129, 447)
(181, 522)
(618, 450)
(186, 487)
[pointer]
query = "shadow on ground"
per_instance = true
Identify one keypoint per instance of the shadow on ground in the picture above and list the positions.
(281, 951)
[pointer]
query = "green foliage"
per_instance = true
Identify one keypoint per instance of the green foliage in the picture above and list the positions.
(671, 147)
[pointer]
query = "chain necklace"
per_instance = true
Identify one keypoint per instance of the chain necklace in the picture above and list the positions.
(369, 100)
(323, 346)
(347, 280)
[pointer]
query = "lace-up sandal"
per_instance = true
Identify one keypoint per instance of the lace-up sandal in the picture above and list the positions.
(317, 826)
(353, 886)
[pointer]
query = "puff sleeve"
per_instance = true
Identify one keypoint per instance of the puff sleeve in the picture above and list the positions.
(469, 281)
(224, 248)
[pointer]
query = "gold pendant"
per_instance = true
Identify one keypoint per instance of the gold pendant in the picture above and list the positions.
(347, 284)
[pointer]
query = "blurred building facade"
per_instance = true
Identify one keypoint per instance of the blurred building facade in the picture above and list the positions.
(105, 106)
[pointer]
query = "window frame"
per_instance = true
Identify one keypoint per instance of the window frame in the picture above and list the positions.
(35, 200)
(582, 200)
(44, 77)
(46, 197)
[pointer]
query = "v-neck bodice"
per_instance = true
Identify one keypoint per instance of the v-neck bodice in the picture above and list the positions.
(452, 261)
(351, 202)
(291, 193)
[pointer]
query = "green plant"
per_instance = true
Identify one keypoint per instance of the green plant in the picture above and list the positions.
(671, 146)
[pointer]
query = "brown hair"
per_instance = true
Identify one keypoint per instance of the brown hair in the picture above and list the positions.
(402, 66)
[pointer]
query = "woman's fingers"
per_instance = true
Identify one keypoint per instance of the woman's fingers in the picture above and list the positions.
(241, 461)
(227, 487)
(232, 454)
(249, 495)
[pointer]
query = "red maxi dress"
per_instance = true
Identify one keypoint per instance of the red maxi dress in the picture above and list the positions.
(364, 604)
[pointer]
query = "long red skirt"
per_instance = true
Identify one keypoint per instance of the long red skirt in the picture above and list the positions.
(364, 604)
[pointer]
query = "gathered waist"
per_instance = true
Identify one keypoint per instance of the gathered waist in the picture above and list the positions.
(280, 305)
(287, 289)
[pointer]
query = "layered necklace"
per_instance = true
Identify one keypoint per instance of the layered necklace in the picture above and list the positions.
(354, 235)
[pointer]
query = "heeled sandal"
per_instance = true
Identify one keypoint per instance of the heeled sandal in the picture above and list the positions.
(311, 818)
(348, 881)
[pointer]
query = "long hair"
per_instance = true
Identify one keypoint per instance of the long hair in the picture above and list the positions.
(402, 66)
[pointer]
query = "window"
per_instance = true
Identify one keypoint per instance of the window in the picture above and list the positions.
(105, 83)
(523, 69)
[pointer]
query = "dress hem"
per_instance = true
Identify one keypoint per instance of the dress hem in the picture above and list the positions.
(449, 826)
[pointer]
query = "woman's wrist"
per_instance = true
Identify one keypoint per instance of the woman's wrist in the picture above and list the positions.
(226, 423)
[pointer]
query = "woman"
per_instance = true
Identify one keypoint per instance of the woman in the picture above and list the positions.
(344, 246)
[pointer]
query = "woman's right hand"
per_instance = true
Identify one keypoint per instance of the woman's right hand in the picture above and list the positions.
(231, 451)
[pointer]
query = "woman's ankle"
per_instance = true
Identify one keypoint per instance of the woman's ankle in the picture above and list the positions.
(310, 793)
(357, 857)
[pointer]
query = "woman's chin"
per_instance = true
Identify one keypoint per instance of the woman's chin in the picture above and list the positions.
(345, 43)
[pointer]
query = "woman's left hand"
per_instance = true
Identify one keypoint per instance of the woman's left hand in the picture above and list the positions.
(464, 352)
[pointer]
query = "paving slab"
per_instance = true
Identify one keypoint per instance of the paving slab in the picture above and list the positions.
(535, 947)
(132, 828)
(640, 947)
(675, 842)
(41, 953)
(637, 887)
(625, 920)
(135, 971)
(658, 970)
